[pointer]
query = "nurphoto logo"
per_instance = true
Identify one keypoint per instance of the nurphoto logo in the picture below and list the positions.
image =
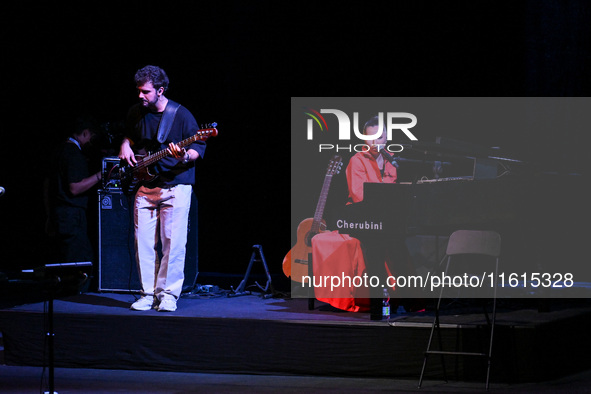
(388, 123)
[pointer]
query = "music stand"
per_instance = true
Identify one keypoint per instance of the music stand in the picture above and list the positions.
(51, 275)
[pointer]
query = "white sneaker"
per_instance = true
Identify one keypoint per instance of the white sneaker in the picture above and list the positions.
(168, 304)
(143, 304)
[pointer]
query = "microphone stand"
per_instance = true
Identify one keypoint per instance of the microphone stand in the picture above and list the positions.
(50, 334)
(389, 158)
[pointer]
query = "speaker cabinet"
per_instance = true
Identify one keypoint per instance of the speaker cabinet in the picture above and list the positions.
(117, 263)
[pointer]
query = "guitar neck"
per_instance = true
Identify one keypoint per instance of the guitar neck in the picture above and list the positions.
(154, 157)
(321, 204)
(333, 168)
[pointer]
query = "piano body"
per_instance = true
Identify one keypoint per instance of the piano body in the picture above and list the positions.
(540, 216)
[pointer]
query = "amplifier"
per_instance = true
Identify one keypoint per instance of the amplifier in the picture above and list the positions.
(110, 172)
(117, 270)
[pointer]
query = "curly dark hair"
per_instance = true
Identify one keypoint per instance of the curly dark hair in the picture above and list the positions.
(153, 74)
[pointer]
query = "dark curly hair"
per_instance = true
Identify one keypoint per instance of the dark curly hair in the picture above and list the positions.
(153, 74)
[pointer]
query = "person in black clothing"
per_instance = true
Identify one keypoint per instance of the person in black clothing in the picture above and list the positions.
(66, 194)
(161, 208)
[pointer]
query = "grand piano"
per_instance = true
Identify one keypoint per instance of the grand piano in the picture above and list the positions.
(541, 216)
(477, 191)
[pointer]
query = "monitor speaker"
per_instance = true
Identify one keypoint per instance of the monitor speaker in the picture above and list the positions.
(117, 263)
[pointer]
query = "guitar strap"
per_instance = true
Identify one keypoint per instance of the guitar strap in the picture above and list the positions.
(167, 119)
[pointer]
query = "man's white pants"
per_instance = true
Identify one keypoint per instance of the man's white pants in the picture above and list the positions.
(162, 213)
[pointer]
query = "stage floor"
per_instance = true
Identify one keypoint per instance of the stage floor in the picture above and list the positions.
(515, 313)
(280, 336)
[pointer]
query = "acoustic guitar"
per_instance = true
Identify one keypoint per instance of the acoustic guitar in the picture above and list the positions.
(131, 177)
(295, 263)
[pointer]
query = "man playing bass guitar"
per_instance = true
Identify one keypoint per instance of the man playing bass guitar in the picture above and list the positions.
(161, 207)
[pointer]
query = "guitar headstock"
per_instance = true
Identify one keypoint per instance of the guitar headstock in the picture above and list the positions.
(335, 165)
(206, 131)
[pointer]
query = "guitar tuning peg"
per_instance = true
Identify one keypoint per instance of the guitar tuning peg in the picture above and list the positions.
(214, 124)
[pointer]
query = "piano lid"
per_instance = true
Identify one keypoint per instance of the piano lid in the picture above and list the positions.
(444, 147)
(452, 158)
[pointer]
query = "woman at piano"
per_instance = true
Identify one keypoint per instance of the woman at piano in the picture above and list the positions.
(340, 254)
(370, 166)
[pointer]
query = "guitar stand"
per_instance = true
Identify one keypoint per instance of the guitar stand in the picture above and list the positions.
(257, 256)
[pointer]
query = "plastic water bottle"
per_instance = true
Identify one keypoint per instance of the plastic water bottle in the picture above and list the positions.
(386, 305)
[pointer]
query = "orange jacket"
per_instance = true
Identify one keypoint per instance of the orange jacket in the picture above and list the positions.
(364, 168)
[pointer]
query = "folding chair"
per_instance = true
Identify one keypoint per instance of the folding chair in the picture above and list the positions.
(467, 242)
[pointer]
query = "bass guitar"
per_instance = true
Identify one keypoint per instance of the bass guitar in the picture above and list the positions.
(131, 177)
(295, 263)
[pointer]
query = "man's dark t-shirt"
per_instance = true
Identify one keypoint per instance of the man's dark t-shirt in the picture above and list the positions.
(142, 126)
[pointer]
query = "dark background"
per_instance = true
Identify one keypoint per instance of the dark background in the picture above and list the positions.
(237, 64)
